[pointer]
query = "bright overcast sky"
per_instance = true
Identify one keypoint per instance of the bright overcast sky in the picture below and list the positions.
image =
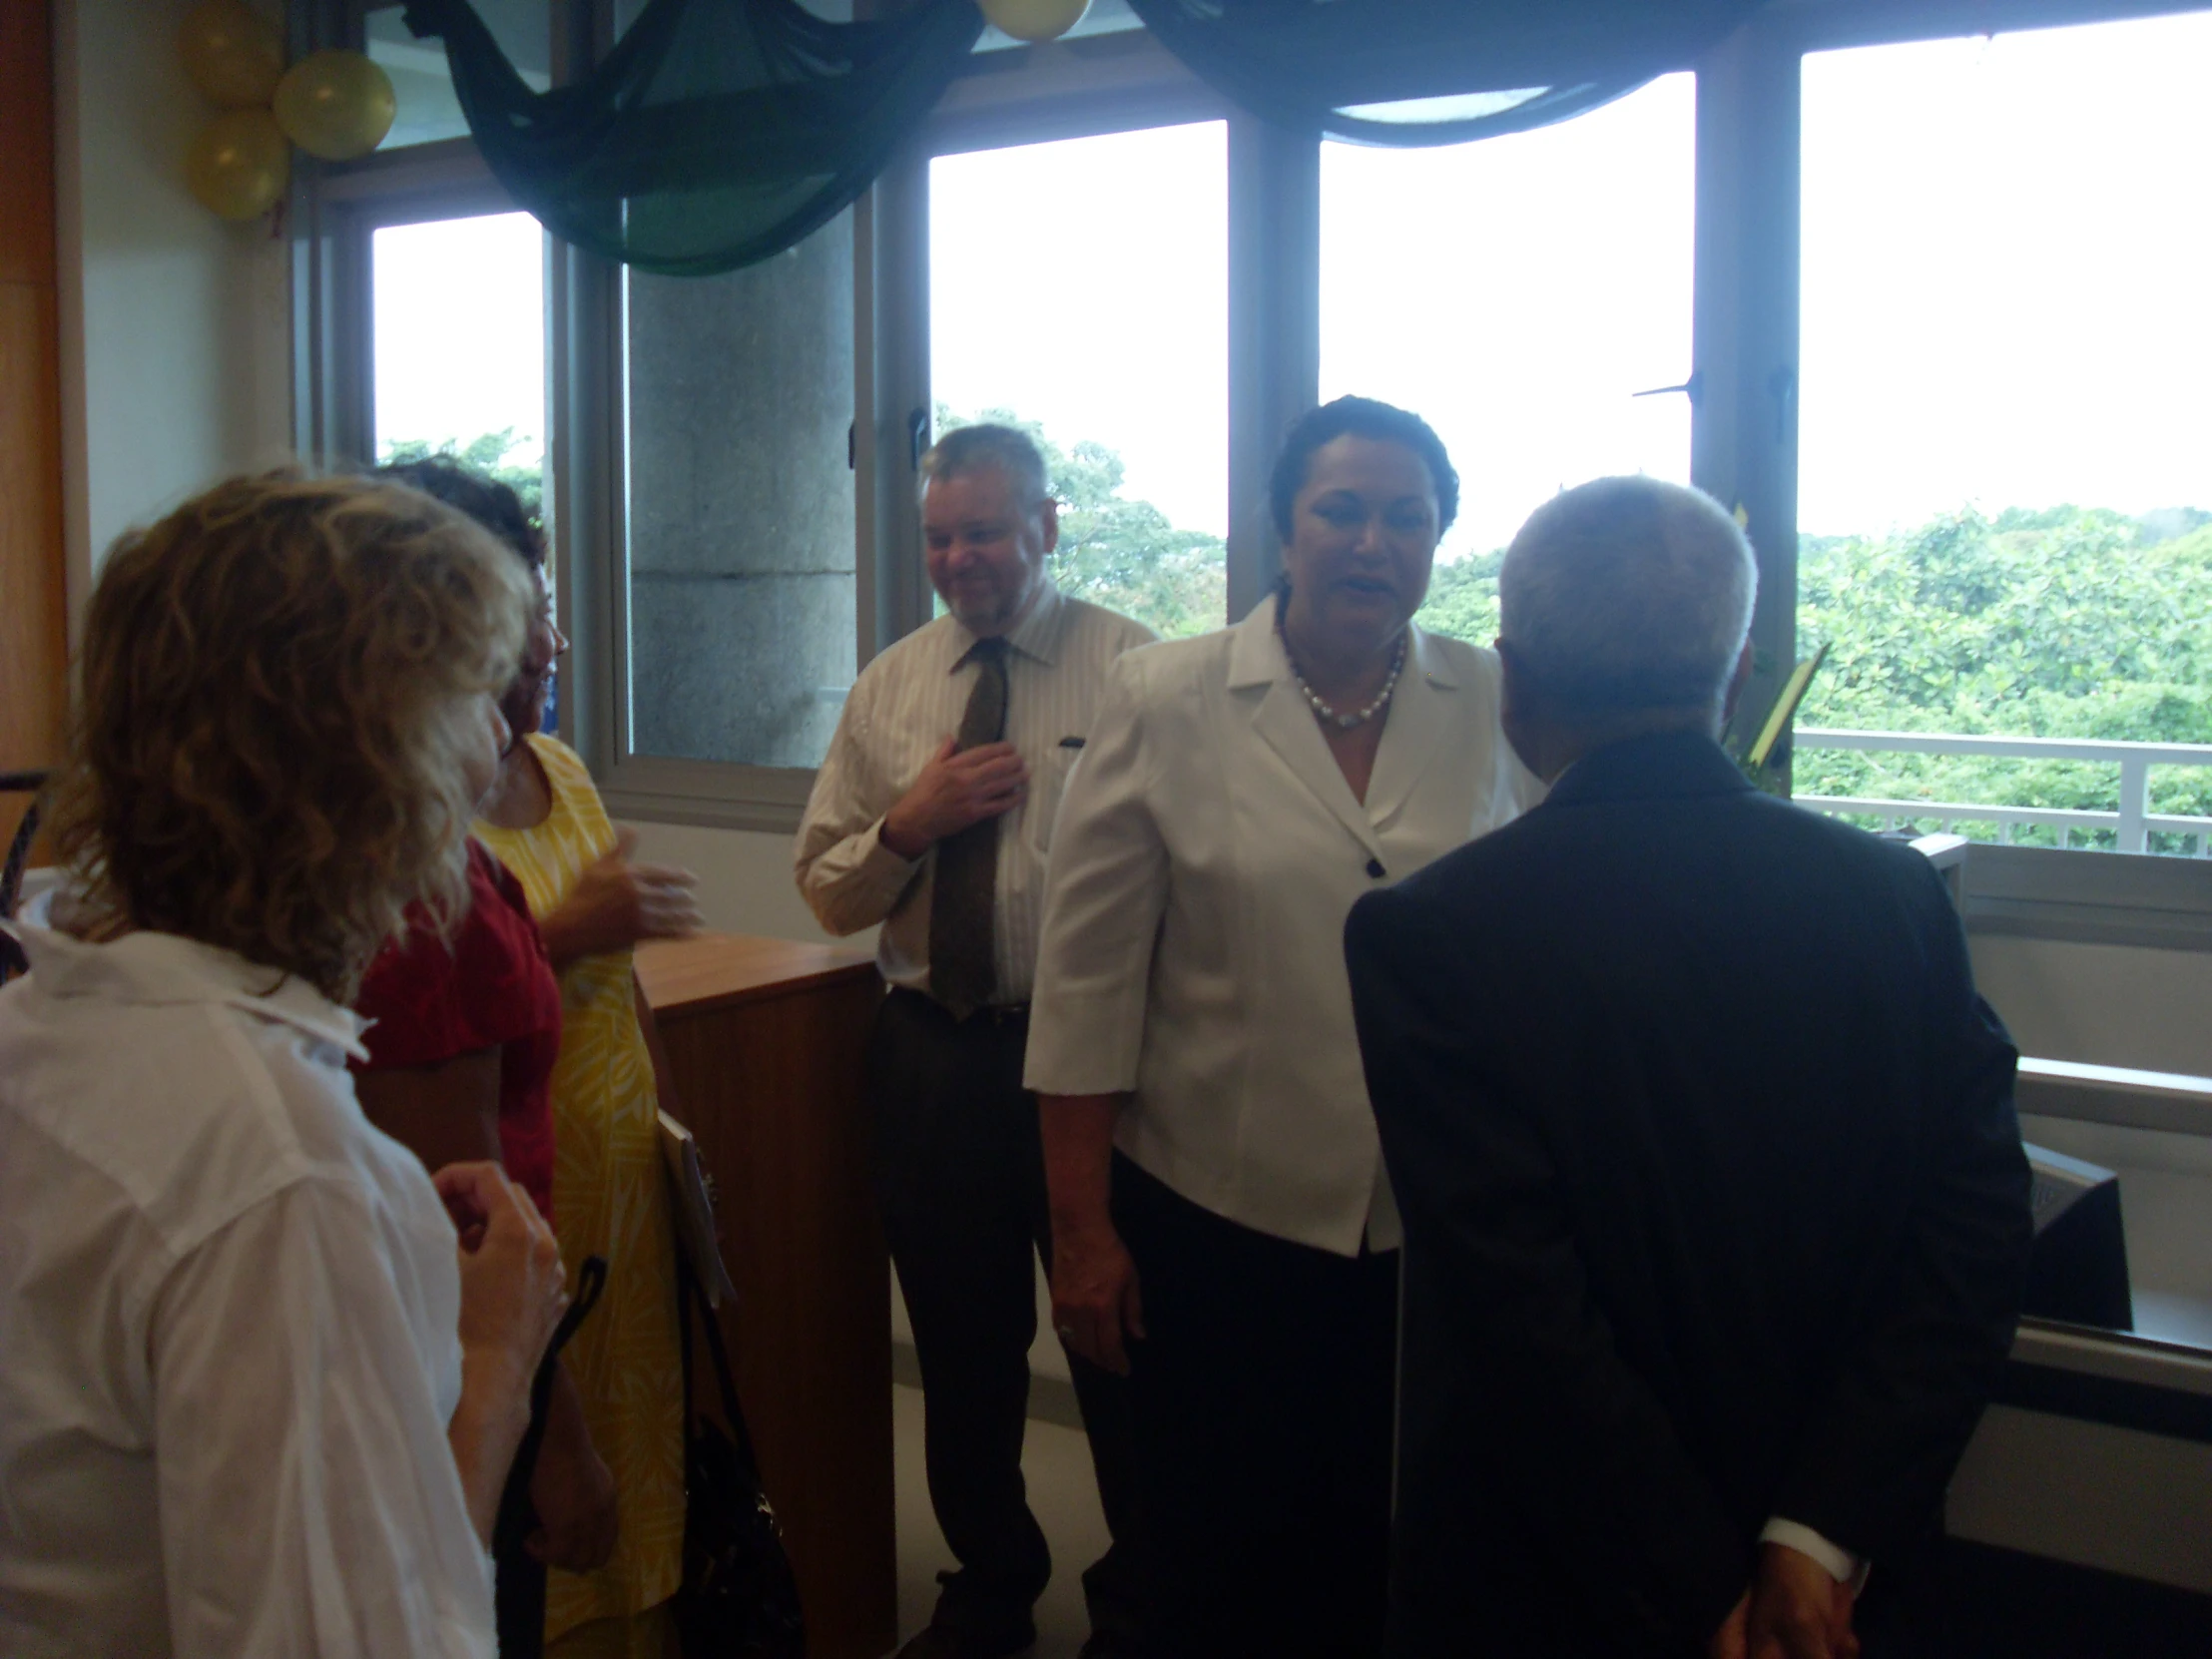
(2002, 304)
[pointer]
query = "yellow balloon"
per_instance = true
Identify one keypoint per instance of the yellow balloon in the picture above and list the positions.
(336, 105)
(239, 165)
(233, 53)
(1035, 19)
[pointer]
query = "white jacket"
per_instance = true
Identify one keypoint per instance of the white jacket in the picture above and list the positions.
(1207, 854)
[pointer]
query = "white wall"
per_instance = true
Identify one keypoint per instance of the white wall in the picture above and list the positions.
(176, 327)
(2105, 1004)
(745, 881)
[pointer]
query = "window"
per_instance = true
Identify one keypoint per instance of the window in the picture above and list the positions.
(2003, 488)
(458, 361)
(1516, 293)
(1985, 368)
(460, 344)
(1079, 289)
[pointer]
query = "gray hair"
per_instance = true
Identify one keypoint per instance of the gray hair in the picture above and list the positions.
(967, 449)
(1629, 595)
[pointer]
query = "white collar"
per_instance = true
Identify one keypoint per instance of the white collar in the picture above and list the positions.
(166, 969)
(1256, 656)
(1036, 635)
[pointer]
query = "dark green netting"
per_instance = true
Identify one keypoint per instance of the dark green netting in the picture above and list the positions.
(715, 132)
(1304, 64)
(719, 132)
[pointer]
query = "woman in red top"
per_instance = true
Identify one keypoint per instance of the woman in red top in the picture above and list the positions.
(464, 1039)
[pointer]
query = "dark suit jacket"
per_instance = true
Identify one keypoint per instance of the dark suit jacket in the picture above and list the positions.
(1715, 1203)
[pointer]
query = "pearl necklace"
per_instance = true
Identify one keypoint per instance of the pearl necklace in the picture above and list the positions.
(1326, 710)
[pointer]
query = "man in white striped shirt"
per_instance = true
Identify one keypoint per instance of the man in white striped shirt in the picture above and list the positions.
(932, 817)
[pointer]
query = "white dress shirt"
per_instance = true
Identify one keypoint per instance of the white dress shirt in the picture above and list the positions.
(229, 1311)
(904, 705)
(1208, 852)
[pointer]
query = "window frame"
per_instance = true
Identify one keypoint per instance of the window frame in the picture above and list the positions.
(1743, 353)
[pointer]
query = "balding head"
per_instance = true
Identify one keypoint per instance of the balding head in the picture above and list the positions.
(1624, 608)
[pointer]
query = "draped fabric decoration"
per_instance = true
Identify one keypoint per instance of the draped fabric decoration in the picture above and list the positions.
(1421, 72)
(716, 132)
(719, 132)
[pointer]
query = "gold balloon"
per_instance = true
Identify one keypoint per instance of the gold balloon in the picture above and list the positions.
(239, 165)
(336, 105)
(1034, 19)
(233, 53)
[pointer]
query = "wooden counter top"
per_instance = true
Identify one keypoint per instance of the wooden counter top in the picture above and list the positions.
(719, 970)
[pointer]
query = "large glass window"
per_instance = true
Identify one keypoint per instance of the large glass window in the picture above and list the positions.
(459, 349)
(2004, 513)
(740, 539)
(1079, 289)
(1517, 293)
(460, 343)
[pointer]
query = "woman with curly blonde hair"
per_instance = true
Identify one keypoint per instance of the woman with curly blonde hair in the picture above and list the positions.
(260, 1397)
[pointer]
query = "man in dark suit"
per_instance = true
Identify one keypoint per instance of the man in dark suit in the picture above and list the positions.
(1715, 1205)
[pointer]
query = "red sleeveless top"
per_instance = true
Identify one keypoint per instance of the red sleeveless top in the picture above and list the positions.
(493, 988)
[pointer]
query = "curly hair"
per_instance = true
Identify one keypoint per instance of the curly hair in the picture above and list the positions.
(278, 694)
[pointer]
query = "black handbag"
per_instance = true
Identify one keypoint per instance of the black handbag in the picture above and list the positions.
(739, 1599)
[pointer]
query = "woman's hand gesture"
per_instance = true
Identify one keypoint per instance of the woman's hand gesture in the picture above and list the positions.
(616, 904)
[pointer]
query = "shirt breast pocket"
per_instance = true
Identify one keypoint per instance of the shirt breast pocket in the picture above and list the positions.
(1047, 784)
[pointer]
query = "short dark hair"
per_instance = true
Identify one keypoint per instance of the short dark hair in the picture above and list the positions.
(1364, 418)
(487, 500)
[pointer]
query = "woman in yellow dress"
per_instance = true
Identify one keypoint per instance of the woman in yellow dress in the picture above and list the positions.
(545, 823)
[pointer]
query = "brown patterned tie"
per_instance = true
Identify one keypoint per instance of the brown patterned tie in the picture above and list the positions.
(962, 966)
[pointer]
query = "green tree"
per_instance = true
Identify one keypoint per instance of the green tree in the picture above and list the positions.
(2059, 622)
(1462, 598)
(491, 453)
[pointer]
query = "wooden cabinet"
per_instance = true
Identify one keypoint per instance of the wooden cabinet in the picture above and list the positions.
(34, 688)
(765, 1040)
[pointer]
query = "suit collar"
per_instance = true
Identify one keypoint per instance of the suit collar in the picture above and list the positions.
(1414, 725)
(1659, 766)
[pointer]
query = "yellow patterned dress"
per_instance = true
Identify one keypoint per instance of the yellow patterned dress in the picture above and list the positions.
(609, 1200)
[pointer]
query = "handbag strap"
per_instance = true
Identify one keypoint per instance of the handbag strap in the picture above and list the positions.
(515, 1517)
(692, 1297)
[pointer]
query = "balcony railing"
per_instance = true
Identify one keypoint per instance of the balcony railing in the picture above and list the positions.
(2131, 827)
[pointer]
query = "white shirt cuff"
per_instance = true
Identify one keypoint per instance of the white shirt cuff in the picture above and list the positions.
(1841, 1565)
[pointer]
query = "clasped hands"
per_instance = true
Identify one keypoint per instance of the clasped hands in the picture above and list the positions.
(957, 787)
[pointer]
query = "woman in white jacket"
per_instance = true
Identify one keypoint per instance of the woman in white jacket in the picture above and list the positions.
(1222, 1227)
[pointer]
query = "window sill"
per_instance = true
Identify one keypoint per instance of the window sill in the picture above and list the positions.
(712, 794)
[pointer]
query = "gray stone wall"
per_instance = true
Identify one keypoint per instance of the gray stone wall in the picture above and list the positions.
(741, 507)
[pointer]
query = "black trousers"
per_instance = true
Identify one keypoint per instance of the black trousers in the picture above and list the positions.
(1265, 1399)
(959, 1170)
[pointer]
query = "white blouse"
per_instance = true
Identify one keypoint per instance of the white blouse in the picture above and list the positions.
(229, 1327)
(1207, 854)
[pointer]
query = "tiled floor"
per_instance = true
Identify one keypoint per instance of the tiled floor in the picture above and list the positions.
(1064, 1497)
